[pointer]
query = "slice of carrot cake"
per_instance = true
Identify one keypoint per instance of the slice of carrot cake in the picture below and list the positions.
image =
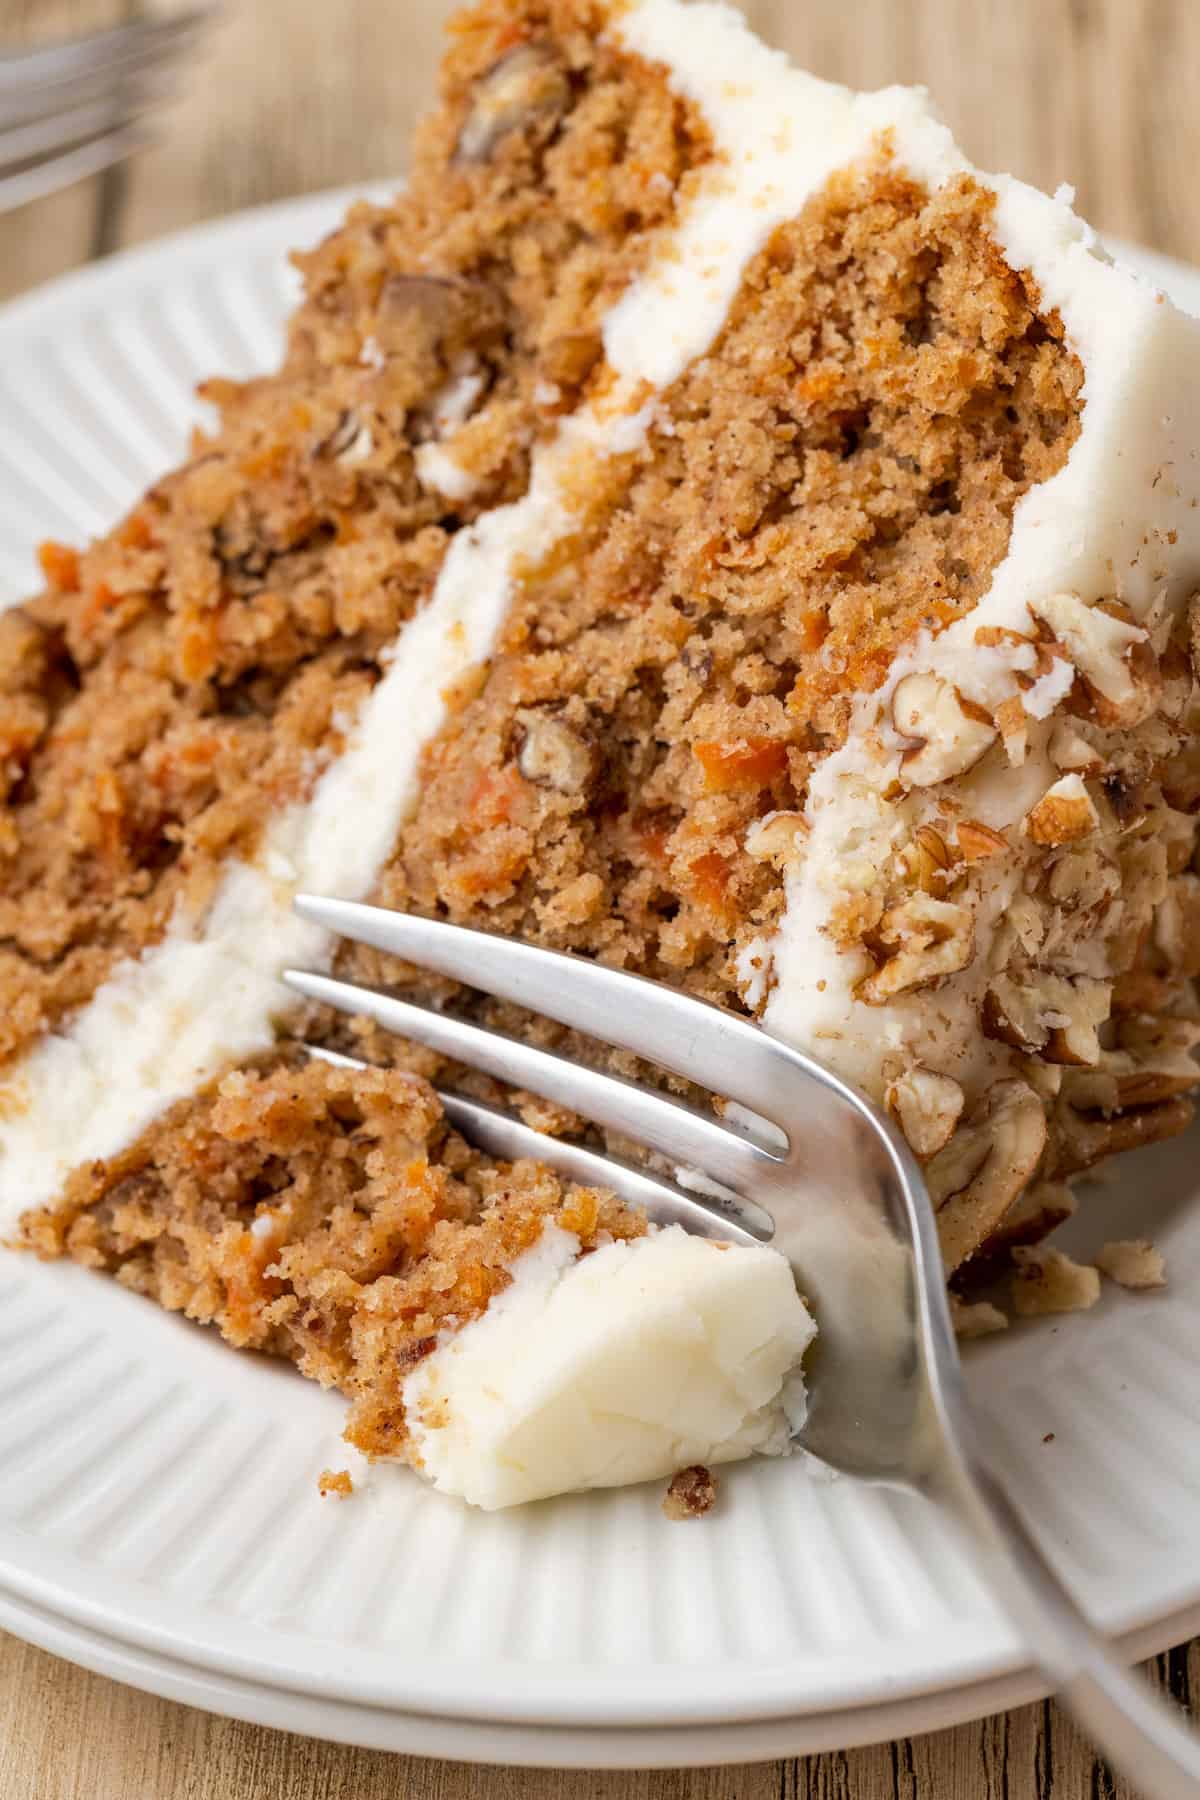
(704, 524)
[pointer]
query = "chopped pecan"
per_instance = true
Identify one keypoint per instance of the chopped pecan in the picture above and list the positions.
(527, 83)
(975, 1179)
(926, 939)
(1084, 1138)
(777, 838)
(949, 734)
(926, 860)
(927, 1106)
(1012, 722)
(1055, 1016)
(1112, 653)
(351, 440)
(1082, 880)
(1041, 1209)
(1065, 813)
(551, 754)
(976, 841)
(1072, 752)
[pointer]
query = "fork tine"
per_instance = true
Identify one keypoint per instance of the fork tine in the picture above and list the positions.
(43, 138)
(703, 1043)
(61, 171)
(677, 1131)
(504, 1136)
(126, 91)
(122, 46)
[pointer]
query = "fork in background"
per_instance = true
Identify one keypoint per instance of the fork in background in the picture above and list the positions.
(821, 1174)
(70, 110)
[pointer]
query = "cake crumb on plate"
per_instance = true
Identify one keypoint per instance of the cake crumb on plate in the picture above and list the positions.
(975, 1318)
(1133, 1263)
(691, 1493)
(337, 1482)
(1048, 1281)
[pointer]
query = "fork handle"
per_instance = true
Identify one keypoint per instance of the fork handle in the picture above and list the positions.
(1147, 1740)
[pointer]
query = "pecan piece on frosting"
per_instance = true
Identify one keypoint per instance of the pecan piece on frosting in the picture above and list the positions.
(948, 734)
(1054, 1016)
(975, 1179)
(927, 1106)
(1112, 653)
(1153, 1061)
(1065, 813)
(1072, 752)
(976, 841)
(923, 939)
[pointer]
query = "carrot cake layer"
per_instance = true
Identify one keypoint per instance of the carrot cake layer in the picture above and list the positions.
(703, 524)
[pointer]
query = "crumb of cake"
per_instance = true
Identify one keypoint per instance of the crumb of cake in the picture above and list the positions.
(691, 1493)
(976, 1318)
(1133, 1263)
(1048, 1438)
(338, 1482)
(1048, 1281)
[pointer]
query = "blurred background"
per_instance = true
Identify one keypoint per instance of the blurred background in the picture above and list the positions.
(286, 96)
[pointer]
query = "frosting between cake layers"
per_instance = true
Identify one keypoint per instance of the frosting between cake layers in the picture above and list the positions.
(209, 992)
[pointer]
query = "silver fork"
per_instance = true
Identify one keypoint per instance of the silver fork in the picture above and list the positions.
(822, 1175)
(72, 109)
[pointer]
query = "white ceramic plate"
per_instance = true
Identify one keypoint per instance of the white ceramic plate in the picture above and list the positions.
(159, 1517)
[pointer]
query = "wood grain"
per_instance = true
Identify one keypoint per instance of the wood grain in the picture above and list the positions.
(289, 97)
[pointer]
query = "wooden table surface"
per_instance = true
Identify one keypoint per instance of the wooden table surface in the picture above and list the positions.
(289, 97)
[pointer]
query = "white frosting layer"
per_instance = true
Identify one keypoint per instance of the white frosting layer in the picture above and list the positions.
(1119, 520)
(623, 1365)
(210, 993)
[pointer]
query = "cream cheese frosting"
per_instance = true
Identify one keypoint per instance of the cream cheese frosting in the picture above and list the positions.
(624, 1365)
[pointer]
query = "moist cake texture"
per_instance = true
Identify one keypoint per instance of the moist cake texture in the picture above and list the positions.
(703, 524)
